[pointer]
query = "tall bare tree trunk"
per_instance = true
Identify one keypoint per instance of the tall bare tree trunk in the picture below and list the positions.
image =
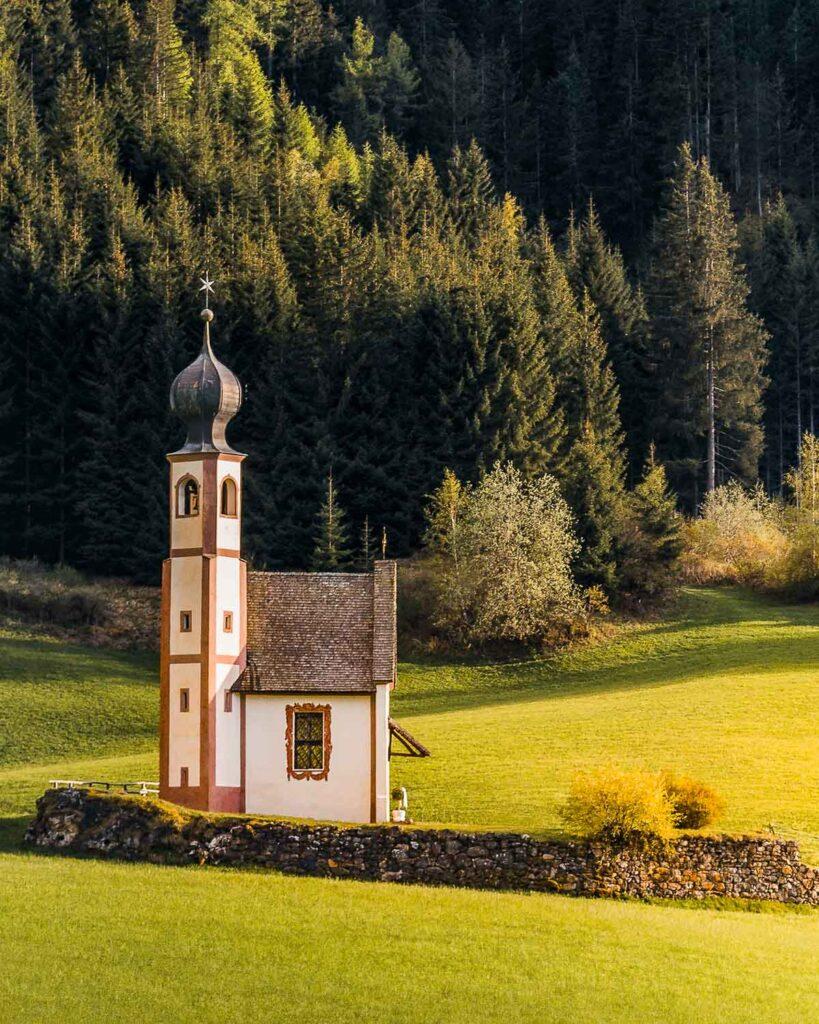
(798, 397)
(712, 430)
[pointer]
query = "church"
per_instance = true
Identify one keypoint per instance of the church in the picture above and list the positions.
(274, 686)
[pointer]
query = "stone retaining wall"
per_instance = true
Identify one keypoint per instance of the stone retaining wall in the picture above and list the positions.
(132, 828)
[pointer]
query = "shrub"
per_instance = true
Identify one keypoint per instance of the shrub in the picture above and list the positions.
(53, 595)
(503, 551)
(103, 611)
(618, 806)
(737, 539)
(694, 804)
(416, 599)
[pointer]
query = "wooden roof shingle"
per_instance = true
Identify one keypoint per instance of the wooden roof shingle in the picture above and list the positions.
(320, 632)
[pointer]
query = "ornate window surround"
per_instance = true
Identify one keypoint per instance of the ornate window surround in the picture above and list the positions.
(289, 737)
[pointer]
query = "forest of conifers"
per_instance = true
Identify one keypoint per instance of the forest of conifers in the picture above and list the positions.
(444, 233)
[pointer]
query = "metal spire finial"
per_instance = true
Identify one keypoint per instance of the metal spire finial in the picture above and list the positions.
(207, 288)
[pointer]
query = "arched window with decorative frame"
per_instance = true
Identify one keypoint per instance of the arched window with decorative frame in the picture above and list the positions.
(187, 497)
(228, 500)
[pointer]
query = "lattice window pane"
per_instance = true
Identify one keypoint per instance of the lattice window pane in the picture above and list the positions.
(309, 725)
(309, 741)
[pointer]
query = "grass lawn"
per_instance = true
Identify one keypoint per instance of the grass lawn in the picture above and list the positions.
(123, 943)
(725, 688)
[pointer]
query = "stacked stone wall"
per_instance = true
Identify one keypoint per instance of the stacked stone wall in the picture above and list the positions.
(690, 867)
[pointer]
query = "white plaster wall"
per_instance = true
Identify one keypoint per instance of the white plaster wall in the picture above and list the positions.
(228, 530)
(228, 729)
(187, 531)
(186, 595)
(344, 795)
(228, 595)
(183, 745)
(382, 756)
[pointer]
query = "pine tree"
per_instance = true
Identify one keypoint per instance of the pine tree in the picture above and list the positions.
(167, 72)
(359, 97)
(331, 553)
(243, 91)
(594, 489)
(597, 268)
(594, 395)
(470, 188)
(709, 350)
(651, 541)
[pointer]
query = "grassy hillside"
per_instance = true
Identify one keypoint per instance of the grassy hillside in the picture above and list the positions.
(725, 688)
(60, 700)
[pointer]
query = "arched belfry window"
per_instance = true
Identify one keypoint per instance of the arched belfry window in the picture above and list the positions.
(228, 497)
(187, 497)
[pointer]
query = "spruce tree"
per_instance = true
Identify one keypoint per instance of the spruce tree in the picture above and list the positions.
(112, 512)
(331, 553)
(470, 190)
(167, 68)
(594, 489)
(562, 325)
(784, 291)
(651, 541)
(597, 268)
(243, 91)
(524, 426)
(708, 349)
(368, 547)
(401, 83)
(594, 395)
(359, 96)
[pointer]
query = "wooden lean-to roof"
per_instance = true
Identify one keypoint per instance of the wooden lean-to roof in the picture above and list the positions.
(320, 632)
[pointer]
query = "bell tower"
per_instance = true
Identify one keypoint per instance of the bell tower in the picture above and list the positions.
(204, 580)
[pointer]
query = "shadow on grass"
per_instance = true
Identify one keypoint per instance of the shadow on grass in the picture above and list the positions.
(27, 660)
(699, 641)
(12, 831)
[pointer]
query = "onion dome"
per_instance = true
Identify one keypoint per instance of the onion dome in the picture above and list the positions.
(206, 396)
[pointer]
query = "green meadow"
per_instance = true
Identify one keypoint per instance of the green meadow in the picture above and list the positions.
(724, 688)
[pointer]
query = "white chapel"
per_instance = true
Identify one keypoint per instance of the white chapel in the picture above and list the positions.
(275, 686)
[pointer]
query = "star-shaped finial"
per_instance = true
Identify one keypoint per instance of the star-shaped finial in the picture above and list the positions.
(207, 288)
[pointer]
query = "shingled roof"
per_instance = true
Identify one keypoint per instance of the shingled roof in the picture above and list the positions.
(320, 632)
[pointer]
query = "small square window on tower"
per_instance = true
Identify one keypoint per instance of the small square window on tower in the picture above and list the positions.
(228, 622)
(185, 700)
(185, 622)
(183, 776)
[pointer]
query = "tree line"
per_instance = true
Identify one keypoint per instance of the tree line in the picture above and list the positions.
(397, 293)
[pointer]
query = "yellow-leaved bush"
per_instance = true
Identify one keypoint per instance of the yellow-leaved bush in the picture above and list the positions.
(618, 805)
(694, 804)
